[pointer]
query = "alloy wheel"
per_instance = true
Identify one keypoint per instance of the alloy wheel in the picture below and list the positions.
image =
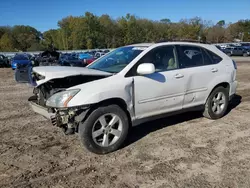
(107, 130)
(218, 102)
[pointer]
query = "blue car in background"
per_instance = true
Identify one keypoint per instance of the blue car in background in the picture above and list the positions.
(84, 56)
(87, 58)
(20, 60)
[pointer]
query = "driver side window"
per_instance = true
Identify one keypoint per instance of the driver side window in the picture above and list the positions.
(163, 58)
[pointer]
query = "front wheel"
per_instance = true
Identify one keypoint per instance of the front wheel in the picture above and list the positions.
(105, 129)
(217, 103)
(245, 55)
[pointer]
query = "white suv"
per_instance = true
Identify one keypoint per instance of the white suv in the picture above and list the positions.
(131, 85)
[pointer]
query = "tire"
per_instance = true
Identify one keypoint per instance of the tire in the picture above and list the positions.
(209, 106)
(245, 55)
(229, 54)
(92, 124)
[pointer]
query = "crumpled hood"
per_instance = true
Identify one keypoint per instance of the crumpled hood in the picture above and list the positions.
(52, 72)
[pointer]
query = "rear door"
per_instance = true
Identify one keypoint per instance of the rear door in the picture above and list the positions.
(199, 70)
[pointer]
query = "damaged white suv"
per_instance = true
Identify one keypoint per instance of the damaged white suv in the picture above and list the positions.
(131, 85)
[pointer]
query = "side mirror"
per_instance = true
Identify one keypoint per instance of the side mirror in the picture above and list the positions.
(146, 68)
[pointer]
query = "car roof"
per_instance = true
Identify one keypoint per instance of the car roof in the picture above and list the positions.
(169, 43)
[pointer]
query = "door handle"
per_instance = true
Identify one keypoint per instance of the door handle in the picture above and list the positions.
(214, 70)
(179, 76)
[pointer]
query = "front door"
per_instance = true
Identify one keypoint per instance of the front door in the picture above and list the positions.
(162, 91)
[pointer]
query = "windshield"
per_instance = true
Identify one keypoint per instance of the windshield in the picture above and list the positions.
(20, 57)
(116, 60)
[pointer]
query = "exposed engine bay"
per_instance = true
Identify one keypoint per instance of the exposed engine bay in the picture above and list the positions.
(47, 85)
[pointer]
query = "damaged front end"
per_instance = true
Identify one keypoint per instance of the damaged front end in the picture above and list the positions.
(66, 118)
(48, 94)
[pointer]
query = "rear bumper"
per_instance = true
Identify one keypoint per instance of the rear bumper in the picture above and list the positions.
(40, 109)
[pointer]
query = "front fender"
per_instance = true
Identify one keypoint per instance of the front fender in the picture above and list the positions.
(95, 93)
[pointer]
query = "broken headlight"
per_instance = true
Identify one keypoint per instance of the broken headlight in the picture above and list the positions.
(61, 99)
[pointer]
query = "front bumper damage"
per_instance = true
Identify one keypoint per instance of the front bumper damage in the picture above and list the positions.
(66, 118)
(39, 109)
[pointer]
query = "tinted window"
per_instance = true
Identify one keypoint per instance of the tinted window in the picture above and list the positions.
(162, 57)
(206, 58)
(215, 58)
(189, 56)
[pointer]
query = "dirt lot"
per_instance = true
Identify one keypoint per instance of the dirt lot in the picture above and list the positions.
(182, 151)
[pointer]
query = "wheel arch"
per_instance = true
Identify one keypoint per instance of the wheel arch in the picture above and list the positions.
(226, 85)
(117, 101)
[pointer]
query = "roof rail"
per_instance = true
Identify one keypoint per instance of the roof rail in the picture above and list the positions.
(183, 40)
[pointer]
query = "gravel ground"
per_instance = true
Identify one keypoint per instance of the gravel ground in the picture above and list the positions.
(182, 151)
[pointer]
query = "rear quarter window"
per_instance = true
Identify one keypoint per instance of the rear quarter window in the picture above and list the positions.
(214, 57)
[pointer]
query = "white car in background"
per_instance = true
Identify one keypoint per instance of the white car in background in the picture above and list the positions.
(131, 85)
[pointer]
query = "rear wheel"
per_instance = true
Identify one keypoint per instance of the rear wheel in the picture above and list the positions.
(217, 103)
(105, 129)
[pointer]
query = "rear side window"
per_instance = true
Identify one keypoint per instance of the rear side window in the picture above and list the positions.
(190, 56)
(215, 58)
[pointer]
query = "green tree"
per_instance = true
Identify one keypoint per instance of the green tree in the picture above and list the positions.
(6, 43)
(24, 37)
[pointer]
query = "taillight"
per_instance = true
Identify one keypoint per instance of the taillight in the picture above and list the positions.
(235, 65)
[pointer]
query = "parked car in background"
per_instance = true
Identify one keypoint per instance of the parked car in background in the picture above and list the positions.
(4, 62)
(131, 85)
(87, 58)
(246, 45)
(20, 60)
(235, 51)
(98, 55)
(73, 61)
(106, 51)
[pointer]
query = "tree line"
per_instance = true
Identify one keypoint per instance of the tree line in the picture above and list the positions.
(90, 31)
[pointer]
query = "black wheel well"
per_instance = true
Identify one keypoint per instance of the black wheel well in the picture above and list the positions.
(226, 85)
(223, 84)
